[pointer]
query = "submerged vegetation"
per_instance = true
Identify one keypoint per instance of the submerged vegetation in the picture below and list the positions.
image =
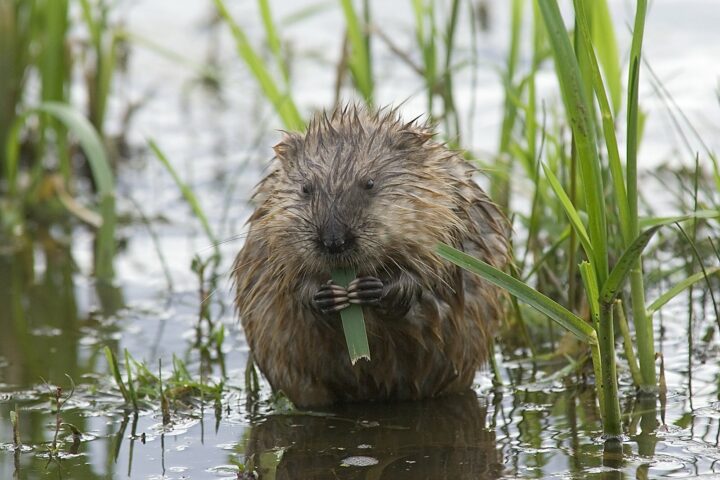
(593, 252)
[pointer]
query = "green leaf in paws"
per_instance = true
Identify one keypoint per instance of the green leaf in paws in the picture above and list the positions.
(352, 319)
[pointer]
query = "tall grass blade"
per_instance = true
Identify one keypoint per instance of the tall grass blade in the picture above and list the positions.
(627, 343)
(283, 102)
(99, 165)
(591, 286)
(603, 38)
(53, 65)
(16, 27)
(561, 315)
(622, 268)
(579, 111)
(115, 371)
(652, 221)
(633, 109)
(570, 211)
(359, 61)
(188, 195)
(501, 186)
(130, 384)
(678, 288)
(643, 324)
(104, 42)
(273, 38)
(608, 121)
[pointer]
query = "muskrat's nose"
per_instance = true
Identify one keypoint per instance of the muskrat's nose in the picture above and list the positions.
(336, 237)
(337, 244)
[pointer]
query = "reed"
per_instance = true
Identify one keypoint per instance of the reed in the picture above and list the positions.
(592, 213)
(359, 58)
(281, 99)
(102, 59)
(189, 197)
(94, 150)
(34, 43)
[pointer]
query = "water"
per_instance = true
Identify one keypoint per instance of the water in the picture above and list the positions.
(56, 319)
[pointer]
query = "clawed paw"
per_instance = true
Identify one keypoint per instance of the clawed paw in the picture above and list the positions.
(331, 298)
(365, 291)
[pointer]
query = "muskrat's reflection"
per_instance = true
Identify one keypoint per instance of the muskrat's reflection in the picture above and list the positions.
(433, 439)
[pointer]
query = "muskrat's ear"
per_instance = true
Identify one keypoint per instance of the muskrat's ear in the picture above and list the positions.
(288, 149)
(413, 138)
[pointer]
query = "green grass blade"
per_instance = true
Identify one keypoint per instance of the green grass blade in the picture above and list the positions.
(359, 60)
(598, 371)
(570, 211)
(561, 315)
(102, 175)
(622, 268)
(579, 112)
(130, 384)
(501, 187)
(352, 320)
(652, 221)
(663, 299)
(547, 254)
(89, 140)
(592, 289)
(603, 37)
(187, 194)
(305, 12)
(632, 112)
(627, 344)
(608, 121)
(272, 37)
(283, 102)
(97, 158)
(115, 371)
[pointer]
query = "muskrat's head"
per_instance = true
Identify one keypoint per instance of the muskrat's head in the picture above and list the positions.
(359, 189)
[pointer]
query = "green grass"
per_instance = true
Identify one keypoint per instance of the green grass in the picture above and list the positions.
(143, 389)
(359, 61)
(35, 43)
(281, 100)
(102, 175)
(189, 197)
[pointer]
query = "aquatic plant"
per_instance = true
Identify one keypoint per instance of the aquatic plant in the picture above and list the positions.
(580, 80)
(36, 42)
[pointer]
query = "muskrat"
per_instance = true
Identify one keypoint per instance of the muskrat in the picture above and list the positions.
(363, 189)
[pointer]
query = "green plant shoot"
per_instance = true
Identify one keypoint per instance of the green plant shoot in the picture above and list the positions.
(352, 320)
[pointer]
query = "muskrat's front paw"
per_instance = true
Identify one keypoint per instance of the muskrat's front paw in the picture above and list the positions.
(331, 298)
(365, 291)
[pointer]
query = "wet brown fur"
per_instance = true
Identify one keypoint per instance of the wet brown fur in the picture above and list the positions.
(424, 194)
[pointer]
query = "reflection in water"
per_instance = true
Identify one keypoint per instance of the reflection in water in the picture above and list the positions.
(42, 333)
(442, 438)
(644, 413)
(613, 459)
(39, 305)
(40, 319)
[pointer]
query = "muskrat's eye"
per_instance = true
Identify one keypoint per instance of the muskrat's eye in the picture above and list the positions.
(369, 184)
(306, 189)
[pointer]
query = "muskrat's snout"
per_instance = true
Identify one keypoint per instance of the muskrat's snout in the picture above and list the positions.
(336, 237)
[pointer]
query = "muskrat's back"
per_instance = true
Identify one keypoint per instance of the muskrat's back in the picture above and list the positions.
(364, 189)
